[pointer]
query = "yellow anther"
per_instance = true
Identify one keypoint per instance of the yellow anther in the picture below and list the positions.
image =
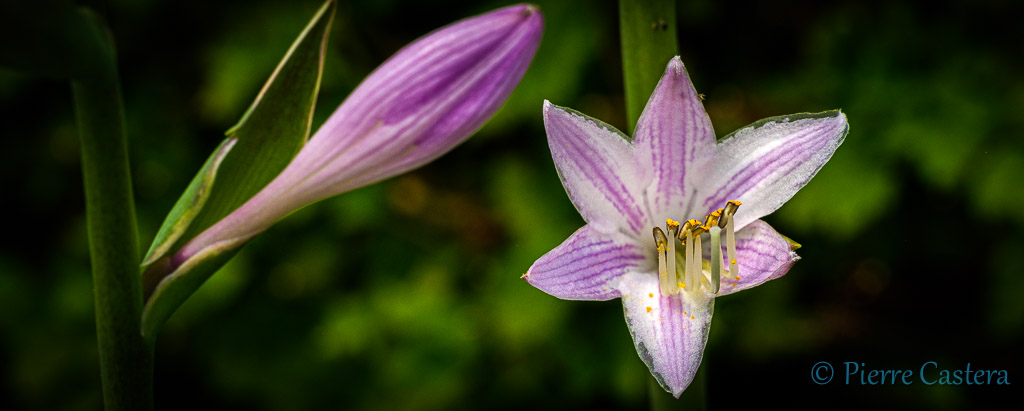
(671, 222)
(730, 208)
(737, 277)
(691, 317)
(733, 261)
(711, 219)
(699, 229)
(648, 309)
(650, 295)
(681, 234)
(681, 284)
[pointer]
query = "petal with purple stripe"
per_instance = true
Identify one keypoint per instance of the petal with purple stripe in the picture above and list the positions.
(763, 165)
(599, 170)
(762, 254)
(585, 266)
(673, 134)
(669, 332)
(423, 101)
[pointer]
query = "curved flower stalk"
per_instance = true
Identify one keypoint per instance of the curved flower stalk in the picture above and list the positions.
(674, 169)
(422, 102)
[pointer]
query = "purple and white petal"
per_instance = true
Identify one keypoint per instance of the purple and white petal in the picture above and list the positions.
(669, 332)
(586, 266)
(762, 254)
(763, 165)
(599, 170)
(673, 134)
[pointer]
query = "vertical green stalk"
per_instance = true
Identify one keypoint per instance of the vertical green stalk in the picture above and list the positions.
(648, 32)
(126, 361)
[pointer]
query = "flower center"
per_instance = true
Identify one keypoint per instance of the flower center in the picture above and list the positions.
(689, 275)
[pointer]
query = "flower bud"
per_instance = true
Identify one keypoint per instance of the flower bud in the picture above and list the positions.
(422, 102)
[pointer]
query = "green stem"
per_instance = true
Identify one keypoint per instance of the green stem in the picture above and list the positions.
(648, 32)
(126, 361)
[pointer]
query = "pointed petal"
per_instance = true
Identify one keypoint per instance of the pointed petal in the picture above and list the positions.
(767, 162)
(598, 168)
(586, 266)
(673, 133)
(761, 253)
(669, 333)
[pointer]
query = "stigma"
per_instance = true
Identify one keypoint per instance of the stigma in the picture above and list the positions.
(681, 265)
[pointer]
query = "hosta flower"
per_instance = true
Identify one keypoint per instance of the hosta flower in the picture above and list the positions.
(673, 215)
(420, 103)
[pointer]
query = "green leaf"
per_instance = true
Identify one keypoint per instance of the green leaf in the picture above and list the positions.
(263, 142)
(183, 213)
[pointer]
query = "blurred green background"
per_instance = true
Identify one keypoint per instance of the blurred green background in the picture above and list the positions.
(406, 294)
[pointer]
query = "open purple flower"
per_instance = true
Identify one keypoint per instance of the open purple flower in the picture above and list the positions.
(422, 102)
(674, 168)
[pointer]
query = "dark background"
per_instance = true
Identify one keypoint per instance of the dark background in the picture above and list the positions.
(406, 294)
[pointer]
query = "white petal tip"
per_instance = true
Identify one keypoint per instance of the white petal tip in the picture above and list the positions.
(676, 65)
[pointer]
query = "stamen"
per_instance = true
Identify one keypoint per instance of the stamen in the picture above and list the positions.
(673, 230)
(730, 235)
(698, 256)
(672, 278)
(690, 271)
(662, 242)
(730, 245)
(716, 257)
